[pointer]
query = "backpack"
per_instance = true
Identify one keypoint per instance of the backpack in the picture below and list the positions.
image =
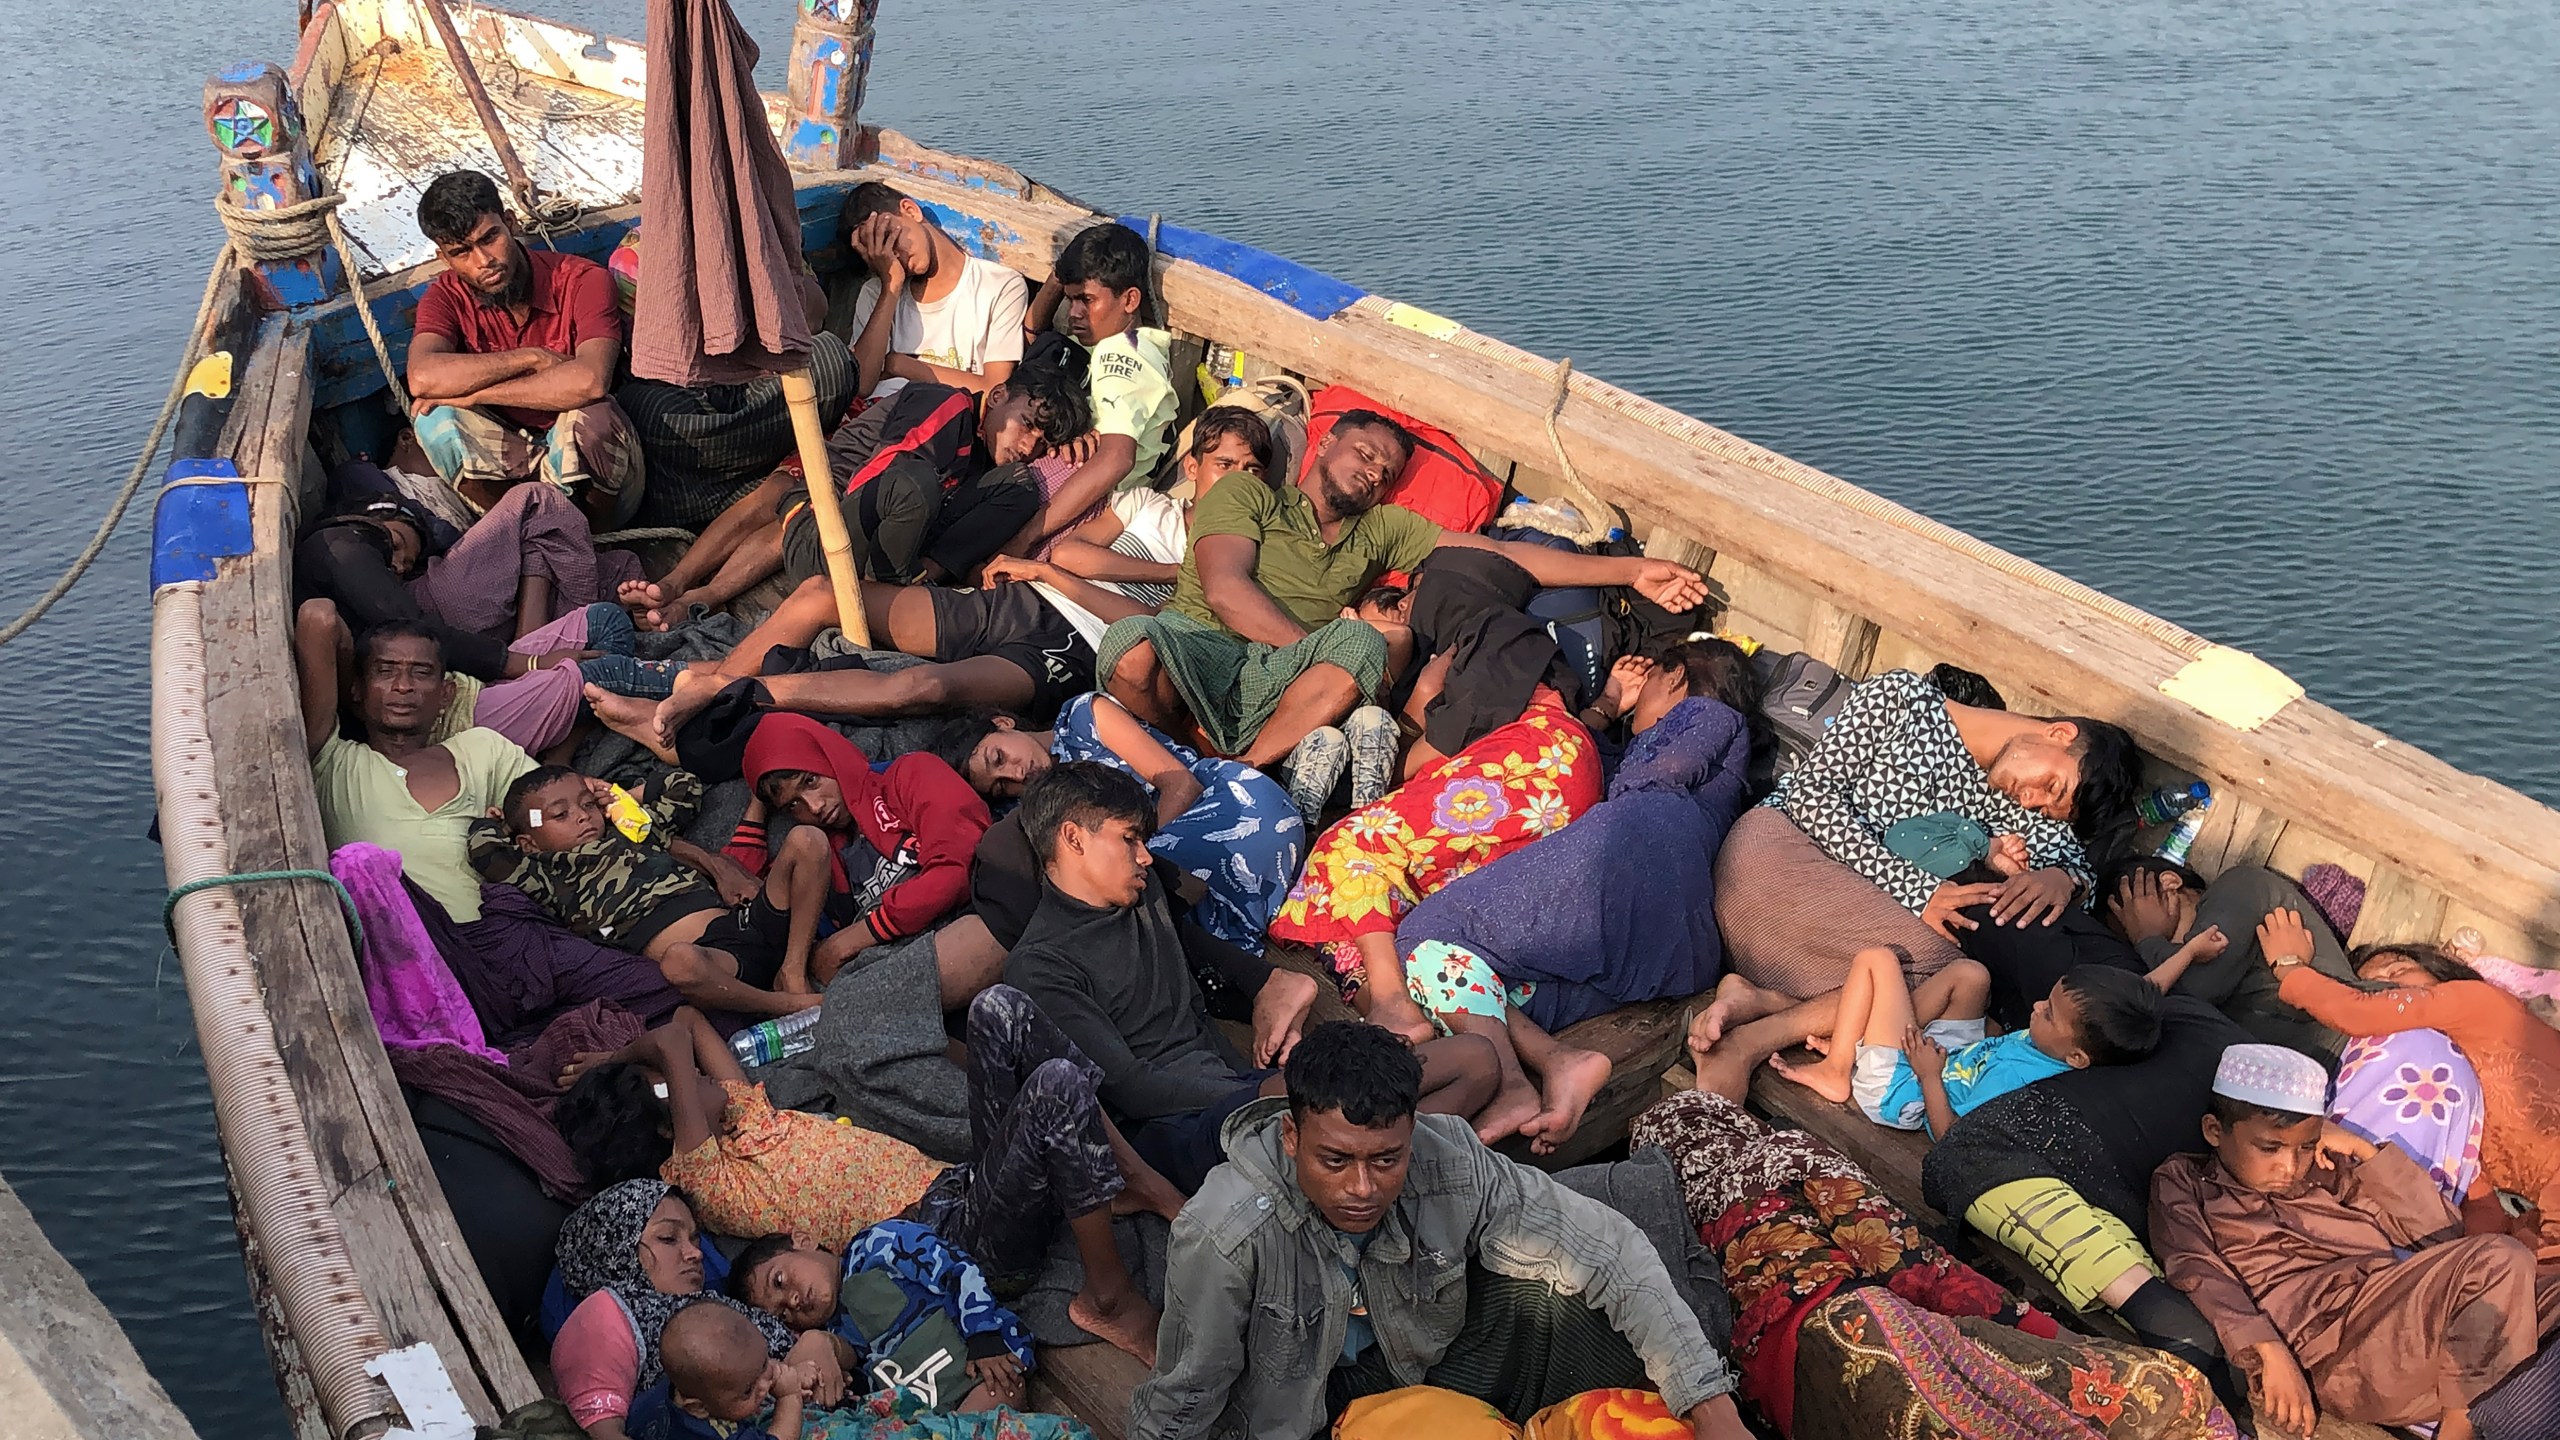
(1800, 696)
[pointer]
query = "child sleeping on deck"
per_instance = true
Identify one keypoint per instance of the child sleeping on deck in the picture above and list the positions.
(659, 895)
(908, 1312)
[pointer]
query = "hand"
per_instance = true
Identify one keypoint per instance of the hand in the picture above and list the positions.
(794, 1379)
(1928, 1058)
(2282, 1395)
(2340, 1143)
(2206, 945)
(815, 1352)
(876, 241)
(584, 1061)
(2008, 855)
(1940, 913)
(1002, 1375)
(1717, 1419)
(2152, 905)
(1675, 588)
(1280, 1015)
(2284, 940)
(1005, 568)
(1626, 677)
(537, 359)
(2036, 898)
(737, 886)
(1079, 450)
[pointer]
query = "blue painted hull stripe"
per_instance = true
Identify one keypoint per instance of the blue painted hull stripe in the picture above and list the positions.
(1310, 292)
(197, 523)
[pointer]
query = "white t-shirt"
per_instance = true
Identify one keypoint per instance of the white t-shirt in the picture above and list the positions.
(979, 323)
(1153, 526)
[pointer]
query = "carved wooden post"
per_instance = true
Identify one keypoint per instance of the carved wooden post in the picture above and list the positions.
(250, 112)
(830, 61)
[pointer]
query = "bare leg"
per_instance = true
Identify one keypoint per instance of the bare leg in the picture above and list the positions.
(1142, 687)
(708, 979)
(1570, 1079)
(1737, 1002)
(796, 883)
(1515, 1100)
(1876, 1008)
(757, 556)
(533, 603)
(1459, 1074)
(1109, 1305)
(632, 718)
(1383, 999)
(1144, 1190)
(916, 690)
(969, 960)
(654, 604)
(1726, 1069)
(1321, 696)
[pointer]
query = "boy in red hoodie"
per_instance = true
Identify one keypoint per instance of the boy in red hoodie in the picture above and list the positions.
(901, 837)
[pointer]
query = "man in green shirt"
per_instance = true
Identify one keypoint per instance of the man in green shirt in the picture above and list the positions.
(1257, 648)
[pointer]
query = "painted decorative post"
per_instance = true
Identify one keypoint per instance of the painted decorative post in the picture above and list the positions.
(255, 123)
(830, 60)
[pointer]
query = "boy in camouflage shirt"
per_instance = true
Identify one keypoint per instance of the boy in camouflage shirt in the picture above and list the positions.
(723, 939)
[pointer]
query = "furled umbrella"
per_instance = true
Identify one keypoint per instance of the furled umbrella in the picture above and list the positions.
(719, 299)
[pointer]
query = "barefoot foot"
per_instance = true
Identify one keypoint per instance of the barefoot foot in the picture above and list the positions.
(693, 692)
(1513, 1106)
(1573, 1079)
(1828, 1080)
(1394, 1010)
(642, 598)
(630, 717)
(1126, 1320)
(1737, 1001)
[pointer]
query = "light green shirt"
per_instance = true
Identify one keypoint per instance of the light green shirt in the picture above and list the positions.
(364, 797)
(1131, 384)
(1311, 579)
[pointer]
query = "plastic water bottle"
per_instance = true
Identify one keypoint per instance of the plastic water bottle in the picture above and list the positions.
(771, 1040)
(2171, 801)
(2182, 836)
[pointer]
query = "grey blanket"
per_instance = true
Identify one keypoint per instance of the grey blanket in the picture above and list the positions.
(882, 1058)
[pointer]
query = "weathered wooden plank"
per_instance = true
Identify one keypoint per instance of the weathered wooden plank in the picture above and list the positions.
(1846, 642)
(2397, 908)
(2235, 833)
(401, 1233)
(1640, 1040)
(1090, 1382)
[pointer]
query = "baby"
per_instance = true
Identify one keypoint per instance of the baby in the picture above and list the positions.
(661, 896)
(721, 1384)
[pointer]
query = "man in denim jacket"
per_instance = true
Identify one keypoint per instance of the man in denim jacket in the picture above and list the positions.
(1349, 1247)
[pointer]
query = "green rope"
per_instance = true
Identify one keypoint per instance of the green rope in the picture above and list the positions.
(346, 902)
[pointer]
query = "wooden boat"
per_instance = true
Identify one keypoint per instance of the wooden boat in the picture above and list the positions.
(351, 1246)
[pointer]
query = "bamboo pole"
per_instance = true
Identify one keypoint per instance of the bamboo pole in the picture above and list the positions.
(800, 392)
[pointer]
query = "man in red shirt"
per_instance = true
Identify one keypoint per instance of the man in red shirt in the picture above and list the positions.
(511, 369)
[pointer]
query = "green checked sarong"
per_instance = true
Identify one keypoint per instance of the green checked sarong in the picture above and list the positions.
(1232, 685)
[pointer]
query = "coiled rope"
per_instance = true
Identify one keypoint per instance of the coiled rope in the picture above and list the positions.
(257, 237)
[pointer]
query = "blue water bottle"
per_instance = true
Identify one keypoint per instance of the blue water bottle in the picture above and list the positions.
(2171, 801)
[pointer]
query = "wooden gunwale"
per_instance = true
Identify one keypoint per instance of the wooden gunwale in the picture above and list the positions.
(1800, 558)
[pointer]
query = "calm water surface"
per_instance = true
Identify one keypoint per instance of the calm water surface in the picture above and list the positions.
(2244, 313)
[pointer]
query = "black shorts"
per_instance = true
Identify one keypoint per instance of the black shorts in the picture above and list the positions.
(754, 934)
(1014, 623)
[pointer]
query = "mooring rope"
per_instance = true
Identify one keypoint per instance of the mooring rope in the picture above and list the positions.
(257, 237)
(346, 902)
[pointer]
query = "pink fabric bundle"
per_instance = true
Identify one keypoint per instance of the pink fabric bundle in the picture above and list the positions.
(415, 1000)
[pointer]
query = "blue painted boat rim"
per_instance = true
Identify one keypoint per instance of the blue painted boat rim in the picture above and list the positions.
(1308, 291)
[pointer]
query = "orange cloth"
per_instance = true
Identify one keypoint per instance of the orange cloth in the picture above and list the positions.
(788, 1172)
(2516, 1055)
(1428, 1410)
